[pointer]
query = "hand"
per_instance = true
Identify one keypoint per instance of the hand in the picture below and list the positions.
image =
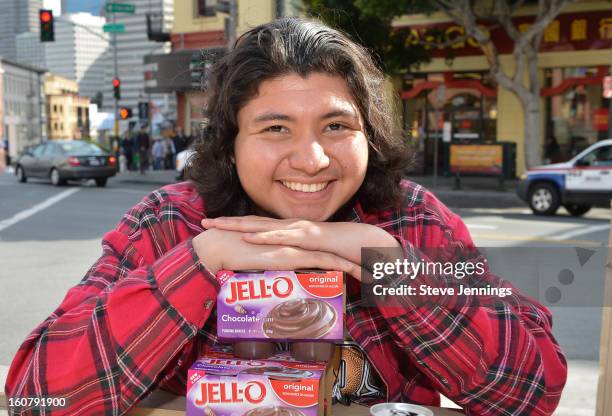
(222, 249)
(342, 239)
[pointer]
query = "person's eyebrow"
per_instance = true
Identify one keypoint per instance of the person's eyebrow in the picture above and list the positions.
(271, 116)
(340, 113)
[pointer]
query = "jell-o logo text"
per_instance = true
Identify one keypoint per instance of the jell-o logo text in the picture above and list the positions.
(210, 393)
(243, 290)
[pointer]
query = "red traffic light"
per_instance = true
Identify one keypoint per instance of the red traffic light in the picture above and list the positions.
(45, 16)
(125, 113)
(116, 82)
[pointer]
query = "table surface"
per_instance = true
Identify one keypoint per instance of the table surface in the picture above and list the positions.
(161, 403)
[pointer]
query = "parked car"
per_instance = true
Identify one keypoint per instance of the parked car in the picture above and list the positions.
(578, 184)
(182, 159)
(61, 160)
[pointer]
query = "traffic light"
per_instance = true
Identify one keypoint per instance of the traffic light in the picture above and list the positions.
(125, 113)
(47, 30)
(117, 88)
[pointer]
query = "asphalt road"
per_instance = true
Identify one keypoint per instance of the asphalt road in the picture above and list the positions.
(44, 250)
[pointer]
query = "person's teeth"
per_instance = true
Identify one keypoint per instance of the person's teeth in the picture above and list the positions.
(302, 187)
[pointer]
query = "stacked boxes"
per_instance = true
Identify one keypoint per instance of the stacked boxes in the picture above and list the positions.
(296, 306)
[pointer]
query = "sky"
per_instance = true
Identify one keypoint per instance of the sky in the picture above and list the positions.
(91, 6)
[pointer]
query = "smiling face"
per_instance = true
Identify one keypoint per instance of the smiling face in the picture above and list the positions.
(301, 150)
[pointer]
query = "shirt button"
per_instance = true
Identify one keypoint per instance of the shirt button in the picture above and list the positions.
(209, 304)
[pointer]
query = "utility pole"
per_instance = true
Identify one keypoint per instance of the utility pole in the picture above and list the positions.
(115, 76)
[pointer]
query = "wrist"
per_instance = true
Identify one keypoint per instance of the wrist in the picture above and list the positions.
(205, 252)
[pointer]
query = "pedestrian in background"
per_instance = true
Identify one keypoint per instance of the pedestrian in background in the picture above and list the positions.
(170, 153)
(159, 154)
(181, 141)
(144, 144)
(2, 157)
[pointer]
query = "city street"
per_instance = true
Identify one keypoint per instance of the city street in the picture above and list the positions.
(49, 237)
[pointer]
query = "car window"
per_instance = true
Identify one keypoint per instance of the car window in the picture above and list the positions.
(602, 156)
(50, 149)
(38, 150)
(80, 148)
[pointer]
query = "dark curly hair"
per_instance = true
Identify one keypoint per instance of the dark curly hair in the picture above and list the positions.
(285, 46)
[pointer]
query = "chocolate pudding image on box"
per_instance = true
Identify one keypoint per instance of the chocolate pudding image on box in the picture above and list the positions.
(274, 411)
(300, 319)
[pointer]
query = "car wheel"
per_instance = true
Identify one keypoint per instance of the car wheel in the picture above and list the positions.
(56, 179)
(21, 176)
(544, 199)
(100, 182)
(577, 210)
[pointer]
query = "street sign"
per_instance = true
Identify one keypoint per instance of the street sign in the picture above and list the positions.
(114, 28)
(607, 87)
(120, 8)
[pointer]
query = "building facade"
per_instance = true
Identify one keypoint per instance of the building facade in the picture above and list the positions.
(574, 57)
(133, 46)
(22, 106)
(198, 38)
(80, 52)
(18, 16)
(67, 111)
(30, 50)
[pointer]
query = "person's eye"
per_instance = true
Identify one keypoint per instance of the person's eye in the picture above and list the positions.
(336, 127)
(276, 129)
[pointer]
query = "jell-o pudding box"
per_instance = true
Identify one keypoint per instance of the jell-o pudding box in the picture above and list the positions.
(281, 306)
(223, 385)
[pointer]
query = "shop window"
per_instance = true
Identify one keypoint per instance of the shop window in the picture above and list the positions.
(471, 114)
(570, 123)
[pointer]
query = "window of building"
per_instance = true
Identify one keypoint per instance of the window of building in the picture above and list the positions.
(205, 8)
(54, 108)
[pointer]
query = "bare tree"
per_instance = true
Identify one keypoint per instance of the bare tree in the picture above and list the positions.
(526, 45)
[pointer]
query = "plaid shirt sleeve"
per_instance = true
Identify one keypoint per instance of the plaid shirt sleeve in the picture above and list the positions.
(492, 357)
(117, 332)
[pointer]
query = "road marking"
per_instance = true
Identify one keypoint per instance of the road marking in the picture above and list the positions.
(585, 230)
(36, 208)
(482, 226)
(552, 240)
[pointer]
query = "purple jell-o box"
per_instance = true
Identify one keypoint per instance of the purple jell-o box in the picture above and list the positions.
(281, 305)
(225, 386)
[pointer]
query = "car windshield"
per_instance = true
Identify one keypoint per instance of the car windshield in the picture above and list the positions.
(80, 148)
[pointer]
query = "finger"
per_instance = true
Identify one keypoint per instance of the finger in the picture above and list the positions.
(320, 260)
(243, 224)
(285, 237)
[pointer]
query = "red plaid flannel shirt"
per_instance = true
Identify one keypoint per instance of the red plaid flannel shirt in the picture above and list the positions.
(140, 317)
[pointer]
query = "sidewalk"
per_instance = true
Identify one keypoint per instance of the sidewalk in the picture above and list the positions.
(475, 192)
(472, 185)
(153, 177)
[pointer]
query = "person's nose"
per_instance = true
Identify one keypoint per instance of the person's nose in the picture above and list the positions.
(309, 156)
